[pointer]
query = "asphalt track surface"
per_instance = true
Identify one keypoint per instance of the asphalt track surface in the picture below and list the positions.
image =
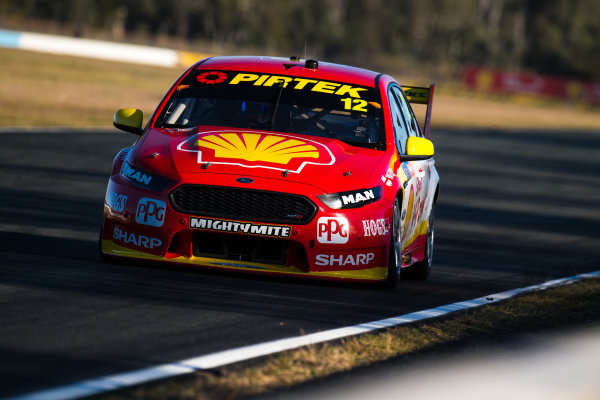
(515, 208)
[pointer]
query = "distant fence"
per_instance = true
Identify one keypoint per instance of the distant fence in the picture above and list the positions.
(104, 50)
(513, 82)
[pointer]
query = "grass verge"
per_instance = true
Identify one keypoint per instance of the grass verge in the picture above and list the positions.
(541, 311)
(49, 90)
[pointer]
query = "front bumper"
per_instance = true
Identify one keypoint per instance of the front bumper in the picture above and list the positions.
(335, 244)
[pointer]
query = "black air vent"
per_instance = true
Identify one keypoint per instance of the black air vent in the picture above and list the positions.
(243, 204)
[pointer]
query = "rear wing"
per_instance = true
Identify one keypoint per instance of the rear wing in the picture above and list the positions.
(421, 95)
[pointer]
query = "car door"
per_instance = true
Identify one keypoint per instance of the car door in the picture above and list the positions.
(414, 175)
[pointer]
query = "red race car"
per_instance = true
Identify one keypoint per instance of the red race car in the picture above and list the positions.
(283, 166)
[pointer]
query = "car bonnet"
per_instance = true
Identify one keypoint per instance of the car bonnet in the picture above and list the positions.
(326, 163)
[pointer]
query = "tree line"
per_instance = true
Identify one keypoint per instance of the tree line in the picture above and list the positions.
(553, 37)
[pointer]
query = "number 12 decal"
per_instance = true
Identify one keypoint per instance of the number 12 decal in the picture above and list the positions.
(354, 104)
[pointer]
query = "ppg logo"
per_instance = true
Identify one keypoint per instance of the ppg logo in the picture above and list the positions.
(332, 230)
(150, 212)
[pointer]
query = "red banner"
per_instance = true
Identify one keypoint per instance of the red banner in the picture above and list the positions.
(515, 82)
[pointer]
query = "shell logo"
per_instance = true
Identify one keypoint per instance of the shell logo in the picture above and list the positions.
(257, 147)
(258, 150)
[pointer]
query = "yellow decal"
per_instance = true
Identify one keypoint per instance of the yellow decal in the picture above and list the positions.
(257, 150)
(302, 82)
(370, 274)
(325, 87)
(419, 231)
(354, 104)
(243, 78)
(275, 80)
(250, 147)
(298, 84)
(409, 213)
(419, 95)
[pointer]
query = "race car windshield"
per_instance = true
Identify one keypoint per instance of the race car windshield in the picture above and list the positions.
(344, 111)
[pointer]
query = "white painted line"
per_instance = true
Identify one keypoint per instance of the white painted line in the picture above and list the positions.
(98, 49)
(132, 53)
(222, 358)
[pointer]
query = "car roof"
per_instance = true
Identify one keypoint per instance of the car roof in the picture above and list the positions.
(292, 67)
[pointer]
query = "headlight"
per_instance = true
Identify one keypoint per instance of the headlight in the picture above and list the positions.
(144, 179)
(350, 199)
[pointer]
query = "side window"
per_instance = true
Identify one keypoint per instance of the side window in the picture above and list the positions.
(413, 129)
(399, 123)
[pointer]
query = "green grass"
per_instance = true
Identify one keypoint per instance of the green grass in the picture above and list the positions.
(543, 311)
(49, 90)
(41, 89)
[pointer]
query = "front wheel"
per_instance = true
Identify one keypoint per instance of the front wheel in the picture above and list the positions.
(419, 271)
(395, 254)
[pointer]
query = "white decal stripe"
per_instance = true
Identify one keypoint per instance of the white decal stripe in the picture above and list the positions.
(219, 359)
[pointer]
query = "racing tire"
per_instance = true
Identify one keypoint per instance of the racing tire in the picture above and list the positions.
(395, 254)
(419, 271)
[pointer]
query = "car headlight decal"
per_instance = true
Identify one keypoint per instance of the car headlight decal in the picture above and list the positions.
(351, 199)
(143, 179)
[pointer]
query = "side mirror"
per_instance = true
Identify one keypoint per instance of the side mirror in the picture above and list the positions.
(129, 120)
(417, 148)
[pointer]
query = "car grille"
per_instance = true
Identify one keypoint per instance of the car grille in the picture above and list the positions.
(243, 204)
